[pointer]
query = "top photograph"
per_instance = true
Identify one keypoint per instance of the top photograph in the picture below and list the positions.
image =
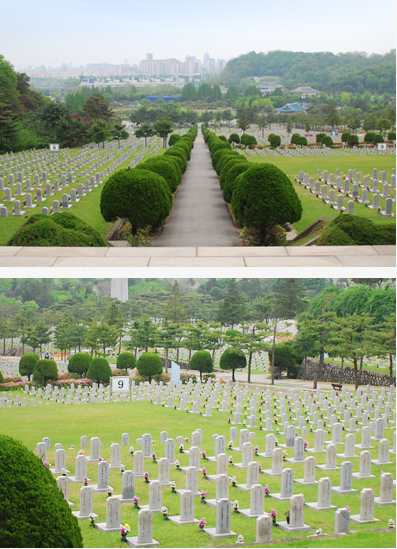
(273, 146)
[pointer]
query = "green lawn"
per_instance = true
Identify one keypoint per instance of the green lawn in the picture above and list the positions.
(313, 207)
(87, 209)
(66, 424)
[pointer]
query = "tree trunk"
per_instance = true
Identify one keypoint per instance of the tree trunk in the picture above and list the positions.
(361, 367)
(233, 375)
(249, 368)
(319, 370)
(355, 373)
(391, 366)
(166, 360)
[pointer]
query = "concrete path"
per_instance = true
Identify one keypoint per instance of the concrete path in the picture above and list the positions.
(200, 216)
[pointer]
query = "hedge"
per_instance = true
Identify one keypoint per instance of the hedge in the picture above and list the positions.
(352, 230)
(162, 168)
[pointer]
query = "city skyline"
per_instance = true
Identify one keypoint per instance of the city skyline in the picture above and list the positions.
(82, 33)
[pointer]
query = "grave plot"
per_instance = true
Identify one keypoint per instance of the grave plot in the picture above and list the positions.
(314, 460)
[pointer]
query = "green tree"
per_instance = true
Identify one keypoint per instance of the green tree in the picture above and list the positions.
(38, 335)
(143, 334)
(107, 336)
(175, 311)
(99, 370)
(243, 121)
(119, 132)
(202, 361)
(232, 359)
(27, 363)
(126, 361)
(144, 131)
(99, 132)
(232, 310)
(97, 108)
(333, 117)
(79, 363)
(149, 365)
(45, 370)
(162, 128)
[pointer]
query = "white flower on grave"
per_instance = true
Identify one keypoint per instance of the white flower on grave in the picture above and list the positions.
(110, 489)
(230, 459)
(318, 531)
(235, 504)
(164, 511)
(64, 472)
(131, 449)
(240, 539)
(391, 523)
(122, 468)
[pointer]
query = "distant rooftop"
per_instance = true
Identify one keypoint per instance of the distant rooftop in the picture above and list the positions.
(292, 107)
(305, 90)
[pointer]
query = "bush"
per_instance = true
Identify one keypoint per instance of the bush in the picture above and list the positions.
(232, 178)
(295, 138)
(140, 196)
(126, 361)
(79, 363)
(302, 141)
(217, 155)
(234, 138)
(1, 378)
(327, 141)
(60, 229)
(45, 370)
(149, 365)
(162, 168)
(319, 137)
(228, 166)
(182, 145)
(174, 137)
(179, 153)
(27, 363)
(369, 136)
(345, 137)
(224, 159)
(377, 139)
(274, 140)
(34, 512)
(176, 163)
(248, 140)
(391, 136)
(352, 140)
(232, 359)
(185, 378)
(265, 197)
(219, 145)
(222, 138)
(99, 370)
(202, 361)
(232, 333)
(352, 230)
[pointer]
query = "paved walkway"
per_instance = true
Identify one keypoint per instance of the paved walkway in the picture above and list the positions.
(300, 256)
(200, 216)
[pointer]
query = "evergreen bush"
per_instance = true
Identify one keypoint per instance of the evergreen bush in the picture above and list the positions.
(327, 141)
(175, 163)
(231, 179)
(60, 229)
(140, 196)
(234, 138)
(391, 136)
(377, 139)
(99, 370)
(27, 363)
(174, 137)
(45, 370)
(34, 512)
(352, 140)
(345, 137)
(126, 361)
(302, 141)
(224, 159)
(149, 365)
(162, 168)
(353, 230)
(369, 136)
(265, 197)
(227, 167)
(319, 137)
(179, 153)
(79, 364)
(274, 140)
(202, 361)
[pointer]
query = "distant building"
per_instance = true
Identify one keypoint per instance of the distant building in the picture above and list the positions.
(291, 108)
(268, 87)
(167, 98)
(119, 289)
(305, 91)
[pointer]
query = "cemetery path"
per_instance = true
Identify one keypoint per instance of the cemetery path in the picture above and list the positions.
(200, 216)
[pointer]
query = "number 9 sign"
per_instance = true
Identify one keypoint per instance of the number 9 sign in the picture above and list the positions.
(120, 384)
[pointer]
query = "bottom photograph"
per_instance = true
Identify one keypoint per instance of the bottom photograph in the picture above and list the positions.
(197, 412)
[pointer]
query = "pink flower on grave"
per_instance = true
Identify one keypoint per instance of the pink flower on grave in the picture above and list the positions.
(85, 481)
(146, 475)
(204, 453)
(203, 493)
(348, 508)
(305, 444)
(266, 489)
(46, 464)
(260, 426)
(187, 439)
(201, 523)
(204, 471)
(228, 420)
(154, 456)
(256, 450)
(273, 513)
(100, 458)
(81, 453)
(379, 208)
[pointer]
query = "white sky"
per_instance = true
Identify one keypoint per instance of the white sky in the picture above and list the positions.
(87, 31)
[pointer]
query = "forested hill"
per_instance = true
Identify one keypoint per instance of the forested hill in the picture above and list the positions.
(351, 72)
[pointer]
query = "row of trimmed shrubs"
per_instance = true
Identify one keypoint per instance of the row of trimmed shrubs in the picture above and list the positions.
(144, 194)
(261, 195)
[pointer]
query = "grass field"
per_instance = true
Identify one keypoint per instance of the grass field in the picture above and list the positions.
(66, 424)
(313, 208)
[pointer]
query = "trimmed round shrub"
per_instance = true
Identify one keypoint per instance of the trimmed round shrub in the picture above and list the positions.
(295, 138)
(45, 370)
(202, 361)
(302, 141)
(163, 168)
(232, 359)
(248, 140)
(99, 370)
(265, 197)
(391, 136)
(140, 196)
(377, 139)
(224, 159)
(345, 137)
(228, 166)
(175, 163)
(353, 230)
(327, 141)
(27, 363)
(126, 361)
(234, 138)
(149, 365)
(231, 179)
(319, 137)
(1, 378)
(352, 140)
(233, 333)
(79, 364)
(369, 136)
(184, 146)
(61, 229)
(222, 137)
(274, 140)
(219, 145)
(34, 512)
(178, 153)
(174, 137)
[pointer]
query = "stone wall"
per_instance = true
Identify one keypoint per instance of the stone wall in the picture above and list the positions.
(336, 374)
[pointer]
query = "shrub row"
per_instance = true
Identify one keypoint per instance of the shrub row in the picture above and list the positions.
(261, 195)
(143, 195)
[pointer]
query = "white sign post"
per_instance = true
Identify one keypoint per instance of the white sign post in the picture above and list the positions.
(54, 147)
(382, 146)
(120, 384)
